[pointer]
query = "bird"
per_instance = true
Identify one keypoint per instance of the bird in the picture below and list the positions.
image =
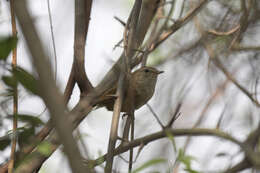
(139, 89)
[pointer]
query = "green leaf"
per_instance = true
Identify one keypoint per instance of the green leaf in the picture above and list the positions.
(149, 163)
(191, 171)
(8, 93)
(32, 120)
(6, 46)
(44, 148)
(4, 143)
(26, 79)
(186, 160)
(10, 81)
(25, 135)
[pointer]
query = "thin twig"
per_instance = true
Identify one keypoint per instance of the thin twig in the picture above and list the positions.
(244, 164)
(53, 41)
(82, 142)
(130, 165)
(155, 116)
(153, 36)
(120, 21)
(180, 23)
(175, 115)
(218, 33)
(234, 81)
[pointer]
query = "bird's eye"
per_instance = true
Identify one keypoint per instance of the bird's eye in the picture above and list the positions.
(146, 70)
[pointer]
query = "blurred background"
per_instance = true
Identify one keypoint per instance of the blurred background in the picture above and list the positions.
(209, 98)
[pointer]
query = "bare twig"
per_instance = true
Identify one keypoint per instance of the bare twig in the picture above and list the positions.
(244, 164)
(245, 48)
(180, 23)
(120, 21)
(153, 36)
(175, 115)
(53, 41)
(234, 81)
(155, 116)
(130, 165)
(218, 33)
(243, 25)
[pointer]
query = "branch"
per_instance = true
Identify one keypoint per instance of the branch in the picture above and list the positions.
(234, 81)
(174, 132)
(84, 106)
(238, 167)
(180, 23)
(130, 41)
(226, 33)
(245, 48)
(49, 92)
(82, 17)
(114, 124)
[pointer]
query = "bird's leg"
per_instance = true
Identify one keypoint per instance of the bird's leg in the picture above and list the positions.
(125, 137)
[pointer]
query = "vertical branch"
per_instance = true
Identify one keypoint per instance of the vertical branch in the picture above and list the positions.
(82, 17)
(131, 139)
(78, 74)
(154, 36)
(130, 39)
(130, 43)
(15, 94)
(114, 124)
(49, 92)
(131, 117)
(53, 41)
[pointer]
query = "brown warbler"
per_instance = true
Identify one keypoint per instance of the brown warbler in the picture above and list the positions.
(140, 89)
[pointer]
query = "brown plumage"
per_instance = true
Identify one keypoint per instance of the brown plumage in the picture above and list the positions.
(140, 88)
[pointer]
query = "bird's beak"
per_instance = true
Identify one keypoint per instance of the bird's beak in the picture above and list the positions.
(159, 72)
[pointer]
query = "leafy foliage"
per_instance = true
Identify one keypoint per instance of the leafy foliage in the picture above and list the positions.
(25, 135)
(32, 120)
(26, 132)
(26, 79)
(10, 81)
(186, 160)
(4, 143)
(149, 163)
(44, 148)
(6, 46)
